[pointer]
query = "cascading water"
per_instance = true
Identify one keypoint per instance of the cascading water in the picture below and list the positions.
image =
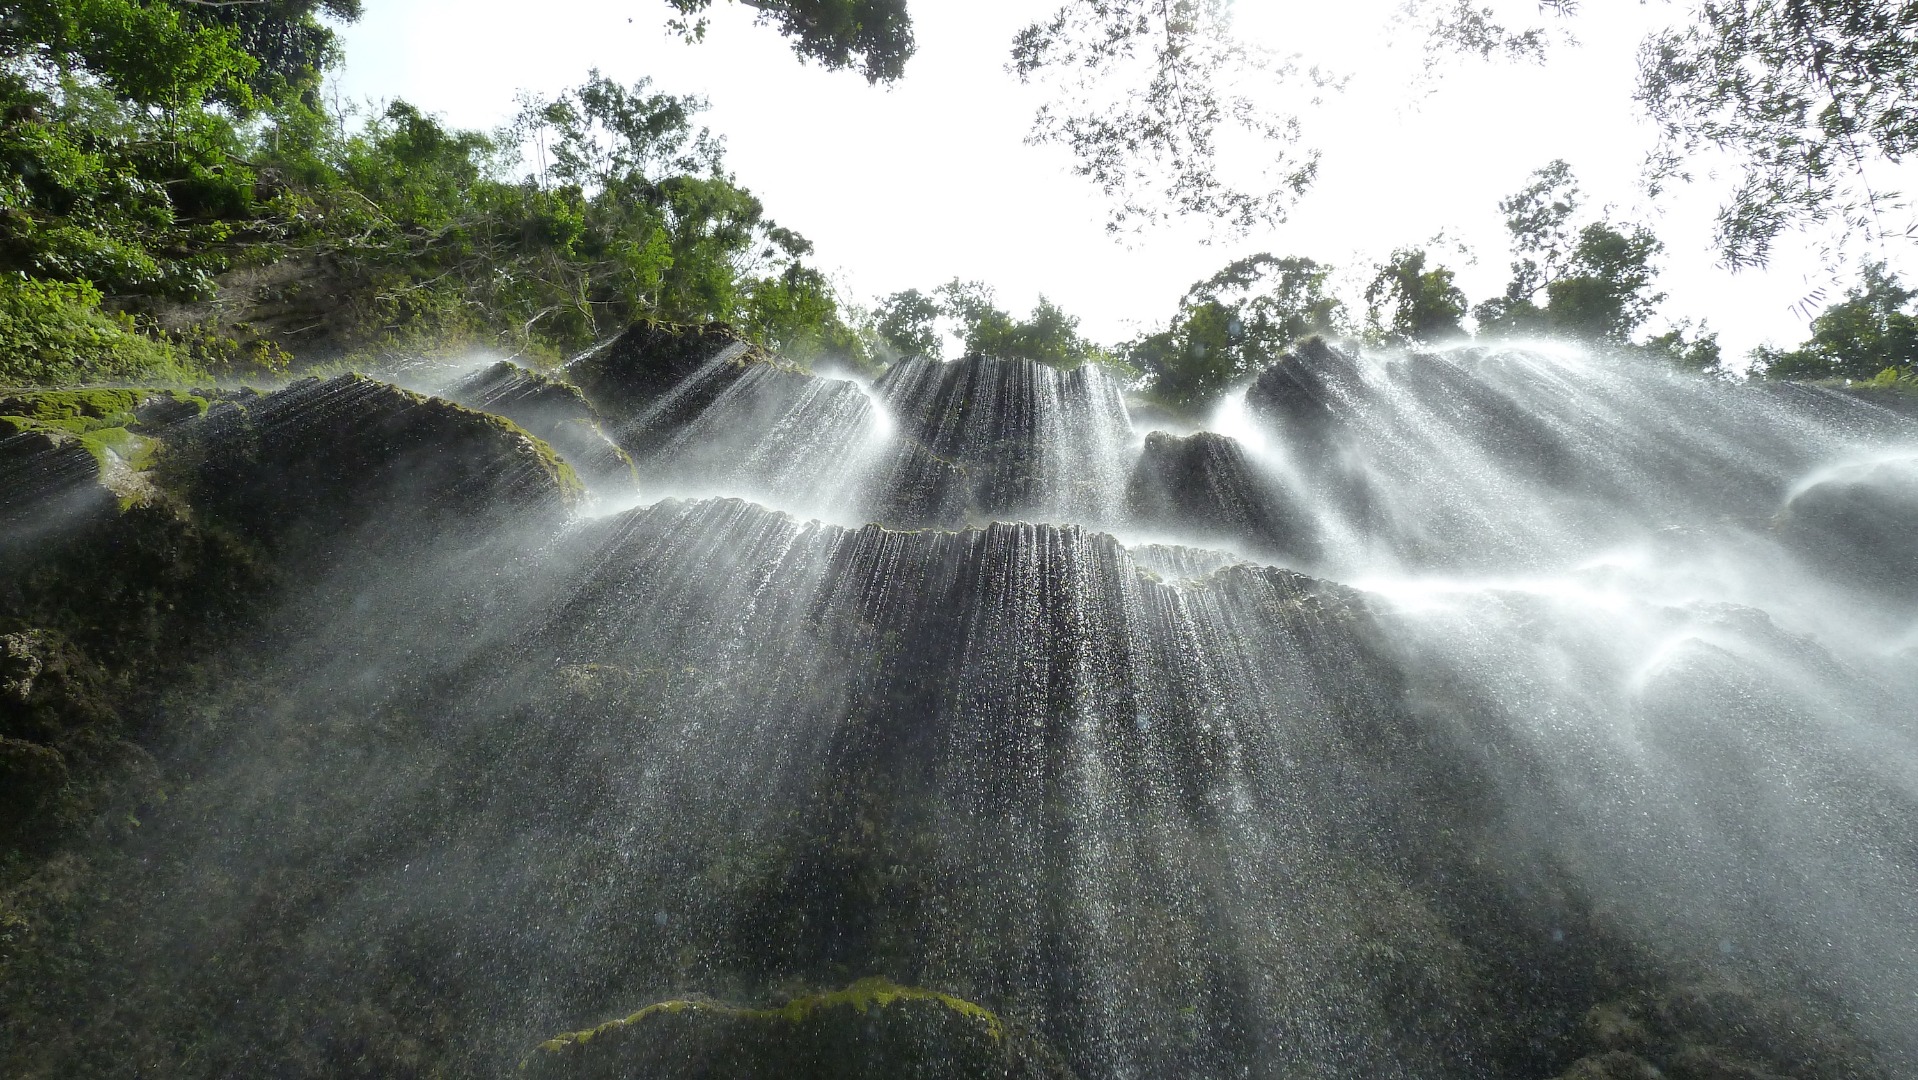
(1459, 714)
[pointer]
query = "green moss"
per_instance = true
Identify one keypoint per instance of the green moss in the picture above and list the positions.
(83, 410)
(106, 422)
(866, 994)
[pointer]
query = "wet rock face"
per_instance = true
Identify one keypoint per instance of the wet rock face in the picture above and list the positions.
(529, 399)
(1303, 387)
(64, 756)
(633, 371)
(999, 762)
(1861, 523)
(48, 482)
(1203, 487)
(552, 410)
(985, 437)
(757, 428)
(305, 466)
(1715, 1030)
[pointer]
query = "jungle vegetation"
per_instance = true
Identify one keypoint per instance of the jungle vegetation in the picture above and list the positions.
(177, 202)
(150, 150)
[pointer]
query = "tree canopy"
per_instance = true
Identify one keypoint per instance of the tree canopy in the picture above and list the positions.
(1872, 330)
(1589, 282)
(1408, 303)
(1804, 95)
(874, 36)
(150, 150)
(1233, 323)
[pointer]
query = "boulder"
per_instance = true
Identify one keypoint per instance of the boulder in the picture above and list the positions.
(317, 464)
(1860, 523)
(1302, 389)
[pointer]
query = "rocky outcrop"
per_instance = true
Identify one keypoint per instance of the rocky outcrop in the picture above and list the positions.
(68, 457)
(631, 373)
(143, 532)
(353, 463)
(1203, 488)
(1715, 1030)
(1860, 523)
(64, 753)
(554, 411)
(982, 438)
(1304, 388)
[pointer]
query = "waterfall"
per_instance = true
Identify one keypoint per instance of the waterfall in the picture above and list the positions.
(1401, 722)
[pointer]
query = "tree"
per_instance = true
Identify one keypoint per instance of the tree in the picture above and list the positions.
(1695, 353)
(1408, 303)
(146, 53)
(907, 324)
(1873, 328)
(288, 39)
(873, 35)
(1589, 283)
(1146, 91)
(1804, 94)
(1234, 323)
(1049, 335)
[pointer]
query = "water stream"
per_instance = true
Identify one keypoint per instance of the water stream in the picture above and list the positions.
(1386, 728)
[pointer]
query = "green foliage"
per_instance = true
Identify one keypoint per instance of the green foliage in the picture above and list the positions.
(1406, 302)
(1234, 323)
(1589, 283)
(285, 37)
(145, 52)
(794, 313)
(907, 324)
(1049, 335)
(1681, 349)
(1872, 330)
(132, 161)
(1801, 95)
(873, 35)
(53, 332)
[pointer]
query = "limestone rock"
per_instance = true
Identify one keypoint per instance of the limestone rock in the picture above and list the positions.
(1204, 485)
(307, 465)
(1614, 1065)
(553, 410)
(634, 370)
(1302, 389)
(1860, 522)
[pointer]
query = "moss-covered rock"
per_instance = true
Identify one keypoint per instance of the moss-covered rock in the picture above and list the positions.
(311, 467)
(1612, 1065)
(874, 1028)
(64, 753)
(555, 411)
(1711, 1028)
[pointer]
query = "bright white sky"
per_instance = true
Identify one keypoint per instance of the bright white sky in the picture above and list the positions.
(914, 185)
